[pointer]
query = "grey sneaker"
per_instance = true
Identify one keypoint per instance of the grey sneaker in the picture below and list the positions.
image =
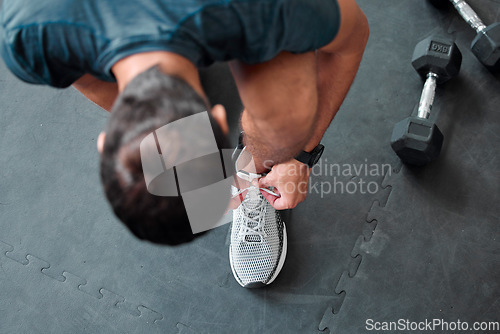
(258, 241)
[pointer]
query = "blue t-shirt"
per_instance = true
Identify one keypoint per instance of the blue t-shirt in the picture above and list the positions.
(54, 42)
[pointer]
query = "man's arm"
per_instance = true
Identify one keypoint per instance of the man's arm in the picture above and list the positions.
(280, 98)
(337, 64)
(100, 92)
(291, 100)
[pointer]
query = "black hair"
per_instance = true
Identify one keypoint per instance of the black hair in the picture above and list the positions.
(151, 100)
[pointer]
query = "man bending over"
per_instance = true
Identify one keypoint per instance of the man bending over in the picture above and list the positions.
(293, 62)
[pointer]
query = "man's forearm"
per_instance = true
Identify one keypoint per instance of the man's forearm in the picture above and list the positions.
(280, 98)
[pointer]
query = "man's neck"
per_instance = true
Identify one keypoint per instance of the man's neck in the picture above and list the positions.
(170, 63)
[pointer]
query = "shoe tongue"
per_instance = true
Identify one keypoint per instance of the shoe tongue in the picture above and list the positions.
(254, 197)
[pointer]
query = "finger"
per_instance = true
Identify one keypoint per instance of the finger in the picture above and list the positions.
(276, 191)
(270, 198)
(267, 181)
(281, 203)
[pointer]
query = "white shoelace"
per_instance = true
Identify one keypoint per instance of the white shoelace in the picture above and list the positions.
(257, 212)
(252, 215)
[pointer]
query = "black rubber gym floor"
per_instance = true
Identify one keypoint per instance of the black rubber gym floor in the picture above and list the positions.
(415, 244)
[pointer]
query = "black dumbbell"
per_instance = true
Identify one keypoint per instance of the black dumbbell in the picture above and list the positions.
(416, 139)
(486, 45)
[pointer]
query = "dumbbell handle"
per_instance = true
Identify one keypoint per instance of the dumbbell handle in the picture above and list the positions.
(469, 15)
(427, 97)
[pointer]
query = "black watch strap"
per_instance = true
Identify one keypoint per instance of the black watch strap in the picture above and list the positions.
(311, 158)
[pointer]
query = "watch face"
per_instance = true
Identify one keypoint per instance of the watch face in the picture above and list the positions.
(318, 154)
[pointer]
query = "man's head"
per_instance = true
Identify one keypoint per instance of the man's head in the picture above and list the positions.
(151, 100)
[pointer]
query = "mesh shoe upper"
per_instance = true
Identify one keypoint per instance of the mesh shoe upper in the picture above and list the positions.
(257, 240)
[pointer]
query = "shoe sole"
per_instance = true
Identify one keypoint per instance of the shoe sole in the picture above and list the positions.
(281, 262)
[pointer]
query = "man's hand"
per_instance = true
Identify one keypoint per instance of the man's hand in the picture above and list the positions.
(291, 180)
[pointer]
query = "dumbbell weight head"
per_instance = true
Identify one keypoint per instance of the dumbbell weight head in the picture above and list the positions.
(437, 54)
(486, 46)
(417, 141)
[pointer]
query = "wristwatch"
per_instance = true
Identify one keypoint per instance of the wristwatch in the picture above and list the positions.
(311, 158)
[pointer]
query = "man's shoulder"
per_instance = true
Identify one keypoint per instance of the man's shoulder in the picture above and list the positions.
(31, 40)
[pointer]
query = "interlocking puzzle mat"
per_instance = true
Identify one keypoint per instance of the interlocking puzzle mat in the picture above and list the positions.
(424, 244)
